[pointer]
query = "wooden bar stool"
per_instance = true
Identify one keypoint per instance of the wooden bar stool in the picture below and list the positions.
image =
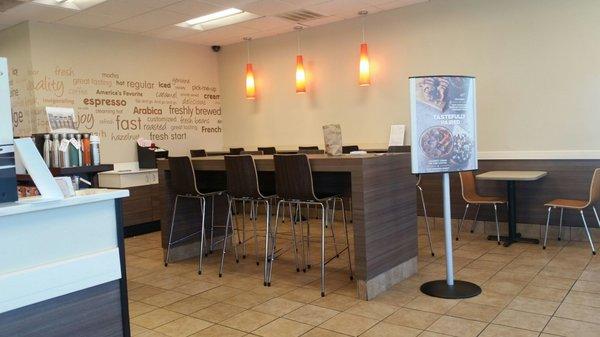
(183, 183)
(294, 184)
(470, 195)
(578, 205)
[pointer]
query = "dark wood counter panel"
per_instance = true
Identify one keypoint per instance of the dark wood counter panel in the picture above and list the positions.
(384, 209)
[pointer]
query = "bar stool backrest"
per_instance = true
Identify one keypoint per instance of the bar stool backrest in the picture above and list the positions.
(350, 148)
(268, 150)
(293, 177)
(468, 186)
(198, 153)
(256, 153)
(308, 147)
(235, 150)
(183, 178)
(311, 151)
(242, 179)
(595, 188)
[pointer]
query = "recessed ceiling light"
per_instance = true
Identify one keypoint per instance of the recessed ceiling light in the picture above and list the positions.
(77, 5)
(218, 19)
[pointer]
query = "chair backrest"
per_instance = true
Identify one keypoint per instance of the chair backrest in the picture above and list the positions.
(350, 148)
(198, 153)
(293, 177)
(242, 179)
(268, 150)
(595, 187)
(468, 186)
(308, 147)
(398, 148)
(256, 153)
(235, 150)
(183, 178)
(311, 151)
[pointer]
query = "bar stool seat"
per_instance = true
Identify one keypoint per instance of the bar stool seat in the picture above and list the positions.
(567, 203)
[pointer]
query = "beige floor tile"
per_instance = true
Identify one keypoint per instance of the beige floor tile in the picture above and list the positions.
(218, 312)
(494, 330)
(432, 334)
(474, 311)
(278, 306)
(579, 312)
(196, 287)
(587, 286)
(431, 304)
(248, 320)
(390, 330)
(248, 299)
(412, 318)
(311, 314)
(304, 295)
(372, 309)
(184, 326)
(156, 318)
(348, 324)
(318, 332)
(458, 327)
(220, 293)
(522, 320)
(544, 293)
(552, 282)
(504, 287)
(571, 328)
(219, 331)
(190, 305)
(137, 330)
(533, 305)
(145, 291)
(588, 299)
(336, 302)
(165, 298)
(151, 333)
(283, 327)
(139, 308)
(396, 298)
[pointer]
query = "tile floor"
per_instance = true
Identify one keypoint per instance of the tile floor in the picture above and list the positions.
(527, 291)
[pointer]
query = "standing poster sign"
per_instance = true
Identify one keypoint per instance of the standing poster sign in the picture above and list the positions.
(444, 137)
(444, 140)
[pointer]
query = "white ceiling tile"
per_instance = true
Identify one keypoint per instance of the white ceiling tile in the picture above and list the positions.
(304, 3)
(170, 32)
(120, 9)
(344, 8)
(268, 7)
(84, 19)
(386, 4)
(322, 21)
(193, 8)
(215, 36)
(230, 3)
(268, 23)
(149, 21)
(33, 12)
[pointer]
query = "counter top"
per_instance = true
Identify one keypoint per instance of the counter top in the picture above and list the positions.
(35, 204)
(128, 172)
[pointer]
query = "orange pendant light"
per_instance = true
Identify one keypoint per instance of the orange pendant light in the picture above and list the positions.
(250, 85)
(300, 73)
(364, 71)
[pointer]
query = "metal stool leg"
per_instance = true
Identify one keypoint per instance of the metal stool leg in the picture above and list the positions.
(300, 222)
(272, 251)
(212, 223)
(426, 220)
(229, 219)
(497, 224)
(323, 221)
(203, 208)
(307, 240)
(475, 219)
(242, 241)
(294, 241)
(347, 240)
(255, 210)
(588, 232)
(547, 224)
(461, 222)
(337, 254)
(560, 223)
(267, 235)
(171, 231)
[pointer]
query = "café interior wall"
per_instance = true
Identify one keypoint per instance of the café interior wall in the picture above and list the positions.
(169, 90)
(535, 61)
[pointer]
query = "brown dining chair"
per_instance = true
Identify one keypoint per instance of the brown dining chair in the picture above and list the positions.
(577, 205)
(253, 153)
(269, 150)
(425, 213)
(235, 150)
(243, 186)
(294, 184)
(183, 184)
(198, 153)
(471, 197)
(349, 148)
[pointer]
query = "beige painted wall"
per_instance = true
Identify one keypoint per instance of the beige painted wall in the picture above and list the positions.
(69, 65)
(536, 61)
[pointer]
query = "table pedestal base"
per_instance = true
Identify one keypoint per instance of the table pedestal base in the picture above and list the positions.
(507, 240)
(460, 289)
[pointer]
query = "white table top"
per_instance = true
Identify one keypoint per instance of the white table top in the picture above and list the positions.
(512, 175)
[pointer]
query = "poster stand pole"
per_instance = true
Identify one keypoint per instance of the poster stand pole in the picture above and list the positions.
(449, 288)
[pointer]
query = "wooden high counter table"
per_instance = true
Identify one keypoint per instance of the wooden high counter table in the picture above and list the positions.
(383, 204)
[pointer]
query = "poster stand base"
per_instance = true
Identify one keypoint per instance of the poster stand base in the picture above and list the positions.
(441, 289)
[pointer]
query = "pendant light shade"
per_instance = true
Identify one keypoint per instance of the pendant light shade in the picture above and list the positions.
(364, 73)
(250, 87)
(364, 70)
(300, 75)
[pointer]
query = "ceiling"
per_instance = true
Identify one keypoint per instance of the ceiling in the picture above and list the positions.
(157, 18)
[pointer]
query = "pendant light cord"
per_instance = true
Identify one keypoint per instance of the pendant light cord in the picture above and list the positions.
(299, 41)
(248, 50)
(363, 28)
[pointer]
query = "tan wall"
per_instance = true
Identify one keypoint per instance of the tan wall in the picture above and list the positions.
(536, 64)
(70, 65)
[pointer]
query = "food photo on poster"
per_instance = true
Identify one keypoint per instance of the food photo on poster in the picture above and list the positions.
(443, 124)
